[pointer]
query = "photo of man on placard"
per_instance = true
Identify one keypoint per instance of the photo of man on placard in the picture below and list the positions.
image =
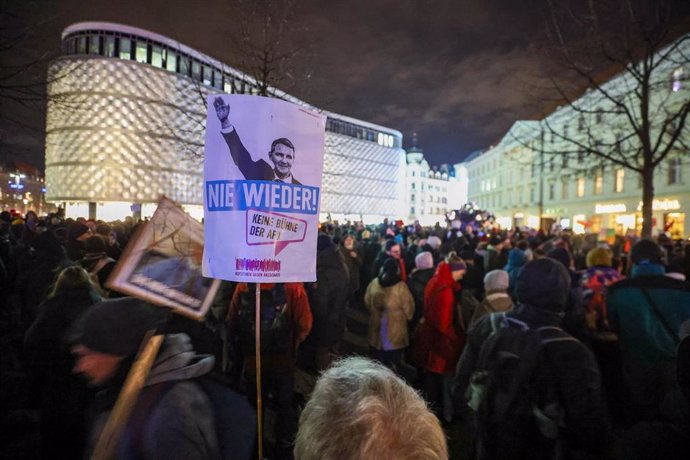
(281, 154)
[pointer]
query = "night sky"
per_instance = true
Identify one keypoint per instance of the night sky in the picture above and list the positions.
(458, 73)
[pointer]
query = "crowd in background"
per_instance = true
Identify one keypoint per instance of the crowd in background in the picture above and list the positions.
(430, 297)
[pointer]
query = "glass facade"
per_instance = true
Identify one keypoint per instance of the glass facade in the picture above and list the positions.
(147, 51)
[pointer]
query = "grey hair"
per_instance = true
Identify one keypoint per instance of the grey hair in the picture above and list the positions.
(362, 410)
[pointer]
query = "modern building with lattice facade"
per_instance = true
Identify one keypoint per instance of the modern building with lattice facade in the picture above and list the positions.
(126, 120)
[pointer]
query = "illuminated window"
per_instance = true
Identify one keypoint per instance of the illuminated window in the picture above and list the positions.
(580, 192)
(109, 46)
(619, 179)
(125, 48)
(184, 65)
(94, 44)
(81, 45)
(677, 84)
(598, 183)
(156, 56)
(206, 75)
(171, 61)
(141, 53)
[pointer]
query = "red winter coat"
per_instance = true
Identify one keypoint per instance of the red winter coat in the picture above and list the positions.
(440, 338)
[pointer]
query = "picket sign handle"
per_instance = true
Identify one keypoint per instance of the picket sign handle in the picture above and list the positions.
(257, 347)
(105, 448)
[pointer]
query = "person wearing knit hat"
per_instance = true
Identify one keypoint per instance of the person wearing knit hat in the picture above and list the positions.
(172, 416)
(496, 284)
(542, 288)
(646, 311)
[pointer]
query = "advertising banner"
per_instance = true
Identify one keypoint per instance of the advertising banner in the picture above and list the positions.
(262, 177)
(162, 263)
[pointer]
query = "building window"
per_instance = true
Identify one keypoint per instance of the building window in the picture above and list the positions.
(81, 45)
(564, 189)
(531, 194)
(677, 84)
(598, 183)
(196, 70)
(184, 65)
(414, 185)
(564, 161)
(156, 56)
(171, 61)
(206, 75)
(619, 178)
(552, 191)
(580, 187)
(94, 44)
(599, 117)
(125, 48)
(412, 210)
(674, 171)
(109, 46)
(141, 52)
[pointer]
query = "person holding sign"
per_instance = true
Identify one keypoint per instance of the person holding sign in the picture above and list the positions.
(282, 153)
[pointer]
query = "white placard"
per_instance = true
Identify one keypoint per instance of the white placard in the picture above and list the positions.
(262, 178)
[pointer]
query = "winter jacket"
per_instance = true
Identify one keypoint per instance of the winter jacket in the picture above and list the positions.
(391, 308)
(354, 266)
(494, 302)
(417, 284)
(328, 297)
(648, 350)
(566, 366)
(441, 336)
(299, 313)
(178, 425)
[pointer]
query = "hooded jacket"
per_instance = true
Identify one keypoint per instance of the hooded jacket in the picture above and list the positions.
(178, 425)
(441, 338)
(391, 308)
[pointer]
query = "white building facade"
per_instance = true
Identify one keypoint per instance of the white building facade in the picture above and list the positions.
(431, 192)
(126, 120)
(536, 177)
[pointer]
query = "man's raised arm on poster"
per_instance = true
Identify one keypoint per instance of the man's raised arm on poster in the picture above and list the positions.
(282, 152)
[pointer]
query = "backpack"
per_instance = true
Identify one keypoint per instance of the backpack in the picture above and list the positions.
(275, 324)
(515, 410)
(235, 418)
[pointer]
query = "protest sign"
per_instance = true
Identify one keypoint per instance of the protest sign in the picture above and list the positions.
(262, 174)
(162, 263)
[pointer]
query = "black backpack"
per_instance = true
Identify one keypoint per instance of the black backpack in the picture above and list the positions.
(275, 327)
(234, 417)
(516, 409)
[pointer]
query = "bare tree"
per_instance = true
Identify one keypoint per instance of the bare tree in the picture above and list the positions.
(634, 115)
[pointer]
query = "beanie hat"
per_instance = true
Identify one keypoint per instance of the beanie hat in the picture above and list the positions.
(646, 252)
(324, 242)
(389, 273)
(434, 241)
(599, 257)
(116, 327)
(544, 284)
(561, 255)
(496, 280)
(424, 260)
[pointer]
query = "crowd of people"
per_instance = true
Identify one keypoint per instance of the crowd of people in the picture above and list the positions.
(522, 343)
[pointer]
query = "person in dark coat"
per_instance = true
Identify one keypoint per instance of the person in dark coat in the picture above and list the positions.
(328, 301)
(353, 260)
(97, 262)
(566, 367)
(77, 234)
(64, 396)
(419, 278)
